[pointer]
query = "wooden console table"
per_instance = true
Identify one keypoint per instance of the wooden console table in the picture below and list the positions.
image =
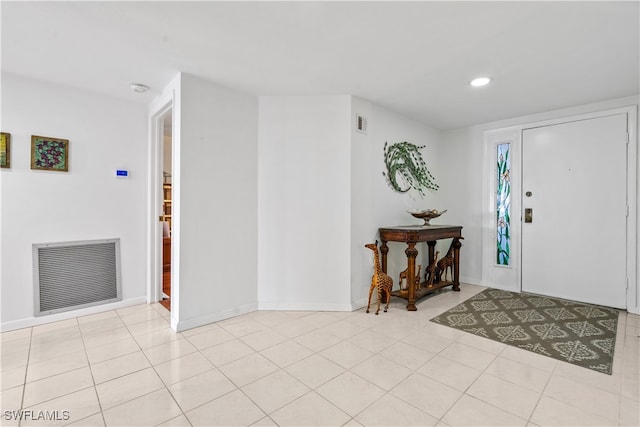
(412, 234)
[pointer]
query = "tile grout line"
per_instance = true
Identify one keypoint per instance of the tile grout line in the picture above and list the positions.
(95, 390)
(26, 372)
(414, 372)
(279, 369)
(154, 370)
(530, 420)
(622, 371)
(66, 394)
(464, 393)
(237, 387)
(224, 375)
(283, 369)
(546, 384)
(541, 393)
(566, 403)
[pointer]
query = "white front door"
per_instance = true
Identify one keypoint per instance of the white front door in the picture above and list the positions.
(574, 181)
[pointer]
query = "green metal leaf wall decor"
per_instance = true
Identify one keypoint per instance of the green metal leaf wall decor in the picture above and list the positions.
(406, 169)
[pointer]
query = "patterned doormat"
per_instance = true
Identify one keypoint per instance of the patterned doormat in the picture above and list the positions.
(573, 332)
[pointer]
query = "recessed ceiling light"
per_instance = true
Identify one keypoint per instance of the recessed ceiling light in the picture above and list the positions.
(139, 87)
(480, 81)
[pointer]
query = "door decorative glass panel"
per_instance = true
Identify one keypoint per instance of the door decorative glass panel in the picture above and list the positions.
(503, 205)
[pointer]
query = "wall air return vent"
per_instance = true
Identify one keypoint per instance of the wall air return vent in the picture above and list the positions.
(362, 124)
(73, 275)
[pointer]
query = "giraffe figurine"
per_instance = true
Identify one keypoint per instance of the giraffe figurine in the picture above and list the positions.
(446, 263)
(403, 276)
(379, 280)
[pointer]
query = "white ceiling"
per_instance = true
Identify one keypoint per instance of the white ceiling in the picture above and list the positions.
(413, 57)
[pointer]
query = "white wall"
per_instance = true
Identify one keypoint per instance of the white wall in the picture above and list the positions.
(86, 203)
(374, 203)
(304, 202)
(323, 197)
(461, 192)
(461, 187)
(216, 195)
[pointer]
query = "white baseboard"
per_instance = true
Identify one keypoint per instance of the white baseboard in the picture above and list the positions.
(35, 321)
(183, 325)
(471, 281)
(357, 305)
(303, 306)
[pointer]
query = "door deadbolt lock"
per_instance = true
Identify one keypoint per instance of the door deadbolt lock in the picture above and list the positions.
(528, 194)
(528, 215)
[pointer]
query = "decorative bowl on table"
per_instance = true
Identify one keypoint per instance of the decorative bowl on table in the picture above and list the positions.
(427, 215)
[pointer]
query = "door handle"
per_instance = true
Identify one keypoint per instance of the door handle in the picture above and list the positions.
(528, 215)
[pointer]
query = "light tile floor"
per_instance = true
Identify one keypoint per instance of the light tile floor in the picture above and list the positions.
(127, 368)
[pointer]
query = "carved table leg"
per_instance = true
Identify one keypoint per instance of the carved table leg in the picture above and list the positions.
(412, 253)
(432, 255)
(432, 250)
(456, 264)
(384, 250)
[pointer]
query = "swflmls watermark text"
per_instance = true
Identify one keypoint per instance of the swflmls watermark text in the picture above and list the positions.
(33, 415)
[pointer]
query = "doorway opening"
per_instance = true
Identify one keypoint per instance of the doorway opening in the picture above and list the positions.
(167, 206)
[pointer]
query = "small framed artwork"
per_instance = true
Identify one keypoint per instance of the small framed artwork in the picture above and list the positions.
(5, 150)
(49, 154)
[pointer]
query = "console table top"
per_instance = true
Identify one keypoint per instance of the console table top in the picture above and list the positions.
(419, 233)
(419, 227)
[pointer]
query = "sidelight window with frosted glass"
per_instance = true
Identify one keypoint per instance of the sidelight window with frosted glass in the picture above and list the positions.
(503, 205)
